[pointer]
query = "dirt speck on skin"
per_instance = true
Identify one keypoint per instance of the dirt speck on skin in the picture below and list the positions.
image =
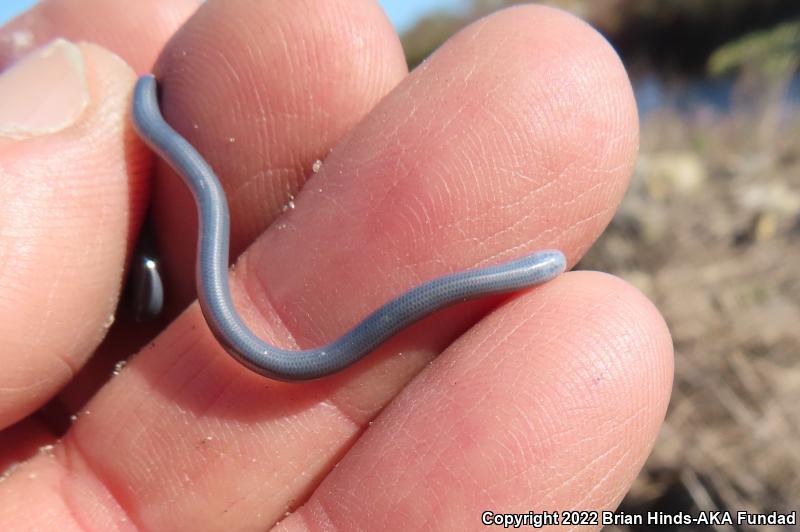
(317, 166)
(9, 471)
(47, 450)
(119, 366)
(289, 205)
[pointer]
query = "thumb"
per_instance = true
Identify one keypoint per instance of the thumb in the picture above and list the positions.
(74, 187)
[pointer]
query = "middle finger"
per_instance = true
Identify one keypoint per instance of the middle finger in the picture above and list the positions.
(263, 89)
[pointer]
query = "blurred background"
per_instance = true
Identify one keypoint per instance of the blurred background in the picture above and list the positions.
(709, 230)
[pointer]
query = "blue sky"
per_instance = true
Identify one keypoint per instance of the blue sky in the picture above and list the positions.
(403, 13)
(11, 8)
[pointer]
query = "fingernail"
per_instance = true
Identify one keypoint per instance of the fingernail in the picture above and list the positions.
(44, 92)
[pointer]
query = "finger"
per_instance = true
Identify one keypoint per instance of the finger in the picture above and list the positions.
(293, 78)
(290, 105)
(74, 186)
(136, 33)
(551, 403)
(506, 141)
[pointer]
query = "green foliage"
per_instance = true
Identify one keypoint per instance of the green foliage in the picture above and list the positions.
(654, 31)
(773, 52)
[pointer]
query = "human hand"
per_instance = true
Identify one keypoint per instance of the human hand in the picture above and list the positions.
(518, 135)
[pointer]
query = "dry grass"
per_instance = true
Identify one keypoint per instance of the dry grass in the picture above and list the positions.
(710, 231)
